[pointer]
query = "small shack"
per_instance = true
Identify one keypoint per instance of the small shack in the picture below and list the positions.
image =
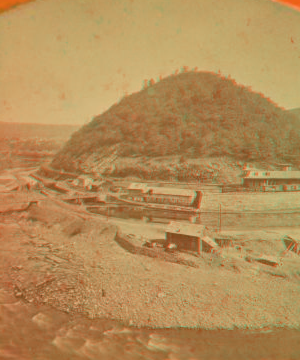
(101, 185)
(83, 181)
(190, 237)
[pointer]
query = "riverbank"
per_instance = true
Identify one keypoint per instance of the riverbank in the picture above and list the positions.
(31, 332)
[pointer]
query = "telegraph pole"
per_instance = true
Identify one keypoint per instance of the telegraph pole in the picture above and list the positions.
(220, 217)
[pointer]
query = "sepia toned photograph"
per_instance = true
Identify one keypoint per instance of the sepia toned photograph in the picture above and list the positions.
(149, 179)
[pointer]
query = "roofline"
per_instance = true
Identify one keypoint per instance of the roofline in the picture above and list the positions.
(272, 177)
(183, 233)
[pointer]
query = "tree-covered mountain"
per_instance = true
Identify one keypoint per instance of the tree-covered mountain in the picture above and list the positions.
(191, 114)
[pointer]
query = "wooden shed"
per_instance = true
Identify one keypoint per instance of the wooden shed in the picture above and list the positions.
(190, 237)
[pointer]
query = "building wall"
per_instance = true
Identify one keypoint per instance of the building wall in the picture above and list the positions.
(161, 199)
(134, 191)
(137, 197)
(170, 199)
(183, 242)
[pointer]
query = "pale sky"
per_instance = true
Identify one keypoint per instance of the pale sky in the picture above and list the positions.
(65, 61)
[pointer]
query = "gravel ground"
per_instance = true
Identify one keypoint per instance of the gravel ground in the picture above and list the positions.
(87, 271)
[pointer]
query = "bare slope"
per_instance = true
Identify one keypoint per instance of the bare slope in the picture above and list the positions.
(44, 261)
(192, 115)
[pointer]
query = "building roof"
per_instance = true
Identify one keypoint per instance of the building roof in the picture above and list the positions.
(137, 186)
(210, 241)
(176, 227)
(102, 197)
(172, 191)
(272, 175)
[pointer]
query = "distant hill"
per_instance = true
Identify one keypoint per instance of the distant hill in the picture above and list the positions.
(193, 115)
(295, 112)
(23, 131)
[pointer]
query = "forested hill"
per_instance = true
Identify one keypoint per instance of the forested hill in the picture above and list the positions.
(191, 114)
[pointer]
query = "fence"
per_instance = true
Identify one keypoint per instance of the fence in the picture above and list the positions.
(227, 221)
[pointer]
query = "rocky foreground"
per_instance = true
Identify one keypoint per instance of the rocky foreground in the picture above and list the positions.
(52, 256)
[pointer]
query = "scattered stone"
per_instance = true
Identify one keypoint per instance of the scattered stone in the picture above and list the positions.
(17, 267)
(161, 295)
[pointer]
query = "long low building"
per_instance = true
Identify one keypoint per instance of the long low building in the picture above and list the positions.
(175, 196)
(265, 178)
(163, 195)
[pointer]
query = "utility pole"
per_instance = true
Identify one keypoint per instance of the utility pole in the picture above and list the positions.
(220, 217)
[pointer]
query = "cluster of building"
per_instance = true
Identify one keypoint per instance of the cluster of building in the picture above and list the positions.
(85, 182)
